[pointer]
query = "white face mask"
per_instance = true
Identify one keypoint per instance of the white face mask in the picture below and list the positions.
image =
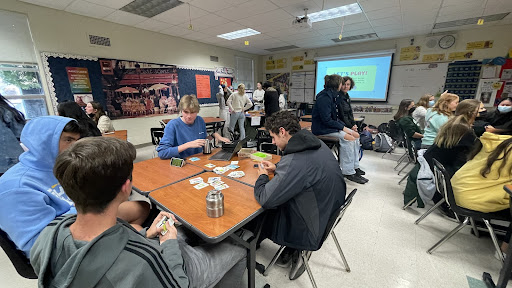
(504, 109)
(431, 103)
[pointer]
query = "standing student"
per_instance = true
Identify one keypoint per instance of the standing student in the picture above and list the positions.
(325, 121)
(426, 101)
(238, 103)
(73, 110)
(257, 96)
(12, 122)
(95, 111)
(437, 116)
(184, 136)
(271, 99)
(406, 123)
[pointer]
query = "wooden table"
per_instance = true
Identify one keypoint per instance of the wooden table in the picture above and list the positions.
(155, 173)
(307, 118)
(305, 125)
(189, 206)
(246, 165)
(119, 134)
(166, 120)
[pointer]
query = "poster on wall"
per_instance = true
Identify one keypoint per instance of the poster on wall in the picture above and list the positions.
(460, 55)
(225, 81)
(135, 89)
(487, 90)
(83, 99)
(203, 86)
(479, 45)
(80, 85)
(280, 80)
(433, 57)
(410, 53)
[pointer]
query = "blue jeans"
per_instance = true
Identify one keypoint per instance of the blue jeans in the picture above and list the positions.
(348, 153)
(240, 117)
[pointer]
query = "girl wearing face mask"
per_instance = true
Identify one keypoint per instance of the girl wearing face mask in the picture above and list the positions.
(406, 123)
(426, 101)
(497, 121)
(438, 115)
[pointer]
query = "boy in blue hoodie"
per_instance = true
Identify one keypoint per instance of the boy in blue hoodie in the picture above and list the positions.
(31, 195)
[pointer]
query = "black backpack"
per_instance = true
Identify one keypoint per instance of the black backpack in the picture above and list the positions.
(383, 128)
(366, 140)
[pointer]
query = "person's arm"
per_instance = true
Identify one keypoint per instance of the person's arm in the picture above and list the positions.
(166, 148)
(288, 181)
(24, 213)
(230, 103)
(248, 103)
(104, 124)
(437, 121)
(220, 138)
(324, 111)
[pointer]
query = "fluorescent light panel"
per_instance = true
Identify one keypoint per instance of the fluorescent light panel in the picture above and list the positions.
(337, 12)
(239, 34)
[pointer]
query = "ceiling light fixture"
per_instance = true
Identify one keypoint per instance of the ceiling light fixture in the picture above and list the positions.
(337, 12)
(239, 34)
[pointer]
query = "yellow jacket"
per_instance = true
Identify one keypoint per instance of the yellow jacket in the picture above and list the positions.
(478, 193)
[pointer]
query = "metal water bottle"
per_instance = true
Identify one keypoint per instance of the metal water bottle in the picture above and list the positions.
(214, 204)
(208, 145)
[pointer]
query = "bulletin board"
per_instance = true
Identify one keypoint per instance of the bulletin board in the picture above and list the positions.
(413, 81)
(188, 84)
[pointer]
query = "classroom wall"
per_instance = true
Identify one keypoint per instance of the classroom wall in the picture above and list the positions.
(59, 31)
(500, 35)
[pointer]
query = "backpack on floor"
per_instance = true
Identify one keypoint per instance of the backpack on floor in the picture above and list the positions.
(366, 140)
(383, 128)
(383, 142)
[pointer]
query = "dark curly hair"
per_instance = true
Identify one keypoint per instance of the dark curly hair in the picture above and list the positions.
(283, 119)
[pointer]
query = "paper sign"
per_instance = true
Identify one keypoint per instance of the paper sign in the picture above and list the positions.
(506, 74)
(479, 45)
(409, 56)
(203, 86)
(460, 55)
(298, 58)
(410, 49)
(489, 71)
(79, 80)
(297, 67)
(255, 120)
(225, 81)
(433, 57)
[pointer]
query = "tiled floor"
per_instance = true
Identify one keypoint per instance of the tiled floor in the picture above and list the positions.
(381, 243)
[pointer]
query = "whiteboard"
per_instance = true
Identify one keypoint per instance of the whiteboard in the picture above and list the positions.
(413, 81)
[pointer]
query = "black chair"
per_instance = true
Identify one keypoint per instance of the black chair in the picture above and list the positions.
(333, 143)
(445, 188)
(412, 156)
(333, 221)
(18, 259)
(396, 135)
(156, 136)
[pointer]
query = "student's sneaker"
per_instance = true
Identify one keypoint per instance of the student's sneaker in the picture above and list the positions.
(285, 258)
(356, 178)
(298, 266)
(360, 172)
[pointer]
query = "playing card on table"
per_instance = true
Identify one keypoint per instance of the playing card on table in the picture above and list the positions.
(213, 179)
(193, 159)
(234, 162)
(221, 186)
(209, 165)
(196, 180)
(201, 185)
(216, 183)
(232, 166)
(220, 170)
(236, 174)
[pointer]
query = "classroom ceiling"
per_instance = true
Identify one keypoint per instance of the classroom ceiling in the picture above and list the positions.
(384, 19)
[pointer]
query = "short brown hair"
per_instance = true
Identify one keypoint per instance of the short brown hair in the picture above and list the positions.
(345, 78)
(332, 81)
(189, 102)
(424, 101)
(93, 170)
(284, 119)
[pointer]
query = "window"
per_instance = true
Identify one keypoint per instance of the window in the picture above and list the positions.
(244, 72)
(21, 85)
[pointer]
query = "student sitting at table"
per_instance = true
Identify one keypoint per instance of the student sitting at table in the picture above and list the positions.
(95, 111)
(185, 135)
(405, 121)
(31, 196)
(438, 115)
(497, 120)
(306, 189)
(95, 249)
(73, 110)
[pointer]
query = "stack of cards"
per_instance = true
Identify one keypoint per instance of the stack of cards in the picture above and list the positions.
(236, 174)
(201, 185)
(234, 162)
(193, 159)
(220, 170)
(196, 180)
(213, 179)
(209, 165)
(232, 166)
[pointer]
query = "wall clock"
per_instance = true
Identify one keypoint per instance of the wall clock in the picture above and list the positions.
(446, 41)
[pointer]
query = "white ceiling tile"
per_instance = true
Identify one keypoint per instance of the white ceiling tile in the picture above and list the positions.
(351, 19)
(254, 7)
(89, 9)
(224, 28)
(302, 35)
(205, 22)
(125, 18)
(387, 28)
(425, 17)
(298, 9)
(115, 4)
(175, 31)
(284, 32)
(325, 24)
(390, 34)
(384, 13)
(357, 26)
(462, 2)
(300, 42)
(358, 32)
(55, 4)
(458, 16)
(211, 6)
(372, 5)
(274, 26)
(268, 17)
(236, 2)
(196, 36)
(284, 3)
(387, 21)
(454, 9)
(420, 6)
(329, 4)
(330, 31)
(153, 25)
(180, 14)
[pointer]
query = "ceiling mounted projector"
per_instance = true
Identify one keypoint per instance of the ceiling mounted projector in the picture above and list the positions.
(302, 23)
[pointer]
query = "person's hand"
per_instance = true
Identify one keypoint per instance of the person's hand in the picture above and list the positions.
(269, 166)
(354, 134)
(152, 232)
(262, 170)
(223, 139)
(196, 143)
(172, 233)
(490, 129)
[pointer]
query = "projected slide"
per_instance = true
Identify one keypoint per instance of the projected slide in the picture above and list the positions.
(371, 76)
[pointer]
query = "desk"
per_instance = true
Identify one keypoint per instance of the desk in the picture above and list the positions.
(305, 125)
(166, 120)
(119, 134)
(246, 165)
(307, 118)
(189, 206)
(155, 173)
